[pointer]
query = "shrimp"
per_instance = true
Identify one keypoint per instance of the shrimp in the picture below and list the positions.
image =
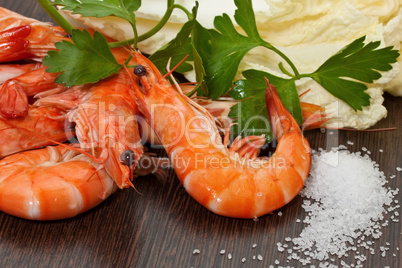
(56, 183)
(14, 92)
(8, 71)
(44, 121)
(51, 183)
(26, 38)
(217, 177)
(105, 118)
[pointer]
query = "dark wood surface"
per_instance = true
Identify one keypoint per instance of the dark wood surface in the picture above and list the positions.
(159, 224)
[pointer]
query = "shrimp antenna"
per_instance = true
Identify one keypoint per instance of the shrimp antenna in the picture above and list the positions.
(50, 140)
(174, 68)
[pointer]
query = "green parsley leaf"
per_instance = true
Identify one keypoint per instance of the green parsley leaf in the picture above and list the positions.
(222, 49)
(86, 60)
(251, 117)
(356, 62)
(176, 50)
(102, 8)
(252, 91)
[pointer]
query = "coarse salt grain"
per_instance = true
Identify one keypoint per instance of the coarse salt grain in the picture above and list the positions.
(243, 260)
(229, 256)
(345, 200)
(196, 251)
(259, 257)
(222, 251)
(254, 246)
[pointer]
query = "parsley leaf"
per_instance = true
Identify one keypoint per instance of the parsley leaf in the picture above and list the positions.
(251, 117)
(102, 8)
(222, 49)
(176, 50)
(251, 113)
(87, 60)
(356, 62)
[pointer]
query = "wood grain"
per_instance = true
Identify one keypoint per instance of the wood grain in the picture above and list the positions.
(159, 224)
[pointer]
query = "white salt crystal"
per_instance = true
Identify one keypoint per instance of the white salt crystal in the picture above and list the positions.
(399, 169)
(243, 260)
(381, 150)
(364, 149)
(259, 257)
(222, 251)
(345, 201)
(196, 251)
(254, 246)
(229, 256)
(277, 262)
(350, 142)
(280, 213)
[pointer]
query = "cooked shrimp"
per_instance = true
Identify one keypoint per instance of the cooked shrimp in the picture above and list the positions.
(106, 123)
(45, 121)
(14, 92)
(26, 38)
(8, 71)
(218, 178)
(51, 183)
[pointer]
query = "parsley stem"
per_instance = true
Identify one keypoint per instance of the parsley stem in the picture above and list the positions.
(283, 56)
(55, 15)
(156, 28)
(188, 13)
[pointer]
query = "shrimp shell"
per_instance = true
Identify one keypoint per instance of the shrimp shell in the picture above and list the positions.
(51, 183)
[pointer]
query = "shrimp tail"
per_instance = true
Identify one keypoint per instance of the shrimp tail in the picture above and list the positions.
(313, 116)
(12, 44)
(280, 119)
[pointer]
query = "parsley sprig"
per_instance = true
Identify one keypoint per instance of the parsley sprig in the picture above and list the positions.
(222, 49)
(87, 59)
(215, 54)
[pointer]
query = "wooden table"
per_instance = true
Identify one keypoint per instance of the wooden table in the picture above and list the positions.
(160, 225)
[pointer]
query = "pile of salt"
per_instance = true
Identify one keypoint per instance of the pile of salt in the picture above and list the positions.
(345, 200)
